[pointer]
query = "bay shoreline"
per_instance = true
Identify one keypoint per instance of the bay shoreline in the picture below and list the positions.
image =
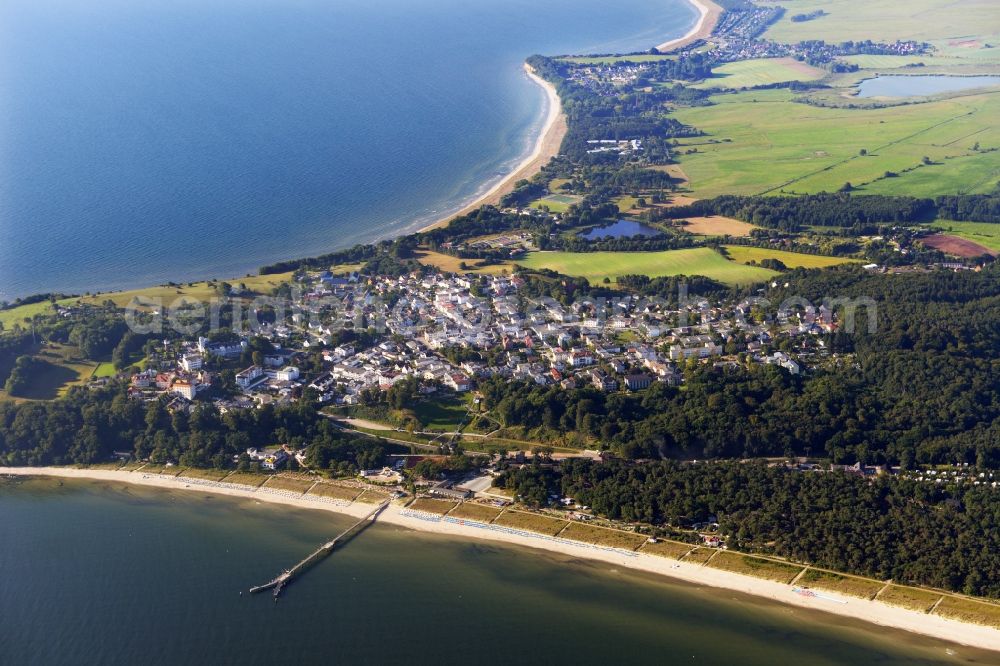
(873, 612)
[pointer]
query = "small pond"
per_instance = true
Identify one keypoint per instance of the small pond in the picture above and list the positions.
(621, 229)
(920, 86)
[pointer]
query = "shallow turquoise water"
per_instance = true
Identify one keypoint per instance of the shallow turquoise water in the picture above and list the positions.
(112, 574)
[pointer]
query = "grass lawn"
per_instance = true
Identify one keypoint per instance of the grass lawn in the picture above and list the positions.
(478, 512)
(626, 203)
(556, 203)
(672, 549)
(854, 586)
(595, 266)
(288, 483)
(602, 536)
(910, 597)
(983, 233)
(884, 20)
(172, 470)
(443, 414)
(209, 474)
(700, 555)
(969, 610)
(246, 478)
(17, 315)
(762, 142)
(164, 295)
(61, 368)
(743, 255)
(531, 522)
(760, 72)
(428, 505)
(755, 566)
(448, 263)
(335, 491)
(373, 497)
(104, 370)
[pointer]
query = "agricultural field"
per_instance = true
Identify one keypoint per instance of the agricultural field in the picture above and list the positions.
(755, 566)
(595, 266)
(956, 246)
(744, 255)
(556, 203)
(884, 20)
(602, 536)
(428, 505)
(450, 264)
(760, 72)
(531, 522)
(850, 585)
(672, 549)
(716, 225)
(762, 142)
(982, 233)
(478, 512)
(165, 295)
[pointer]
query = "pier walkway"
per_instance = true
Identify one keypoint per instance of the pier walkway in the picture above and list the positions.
(282, 579)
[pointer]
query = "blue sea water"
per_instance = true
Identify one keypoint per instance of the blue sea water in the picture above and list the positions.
(151, 140)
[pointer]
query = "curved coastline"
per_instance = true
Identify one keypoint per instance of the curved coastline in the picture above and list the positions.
(873, 612)
(546, 147)
(709, 14)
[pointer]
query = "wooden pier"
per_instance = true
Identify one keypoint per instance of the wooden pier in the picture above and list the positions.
(282, 579)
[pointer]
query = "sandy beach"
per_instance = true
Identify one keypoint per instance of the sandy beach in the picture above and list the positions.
(869, 611)
(546, 147)
(710, 13)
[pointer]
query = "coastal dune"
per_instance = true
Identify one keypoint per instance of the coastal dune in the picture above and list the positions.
(870, 611)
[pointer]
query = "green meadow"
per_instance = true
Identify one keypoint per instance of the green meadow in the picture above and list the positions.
(759, 72)
(595, 266)
(742, 254)
(761, 141)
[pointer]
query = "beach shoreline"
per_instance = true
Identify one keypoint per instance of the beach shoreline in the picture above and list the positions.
(546, 147)
(872, 612)
(709, 16)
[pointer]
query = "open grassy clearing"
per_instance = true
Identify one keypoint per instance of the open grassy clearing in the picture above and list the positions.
(165, 295)
(530, 521)
(716, 225)
(335, 491)
(556, 203)
(288, 483)
(246, 478)
(884, 20)
(372, 497)
(478, 512)
(445, 414)
(700, 555)
(910, 597)
(672, 549)
(626, 203)
(450, 264)
(968, 610)
(763, 142)
(595, 266)
(171, 470)
(208, 474)
(755, 566)
(61, 368)
(116, 465)
(760, 72)
(602, 536)
(429, 505)
(17, 315)
(981, 233)
(849, 585)
(744, 255)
